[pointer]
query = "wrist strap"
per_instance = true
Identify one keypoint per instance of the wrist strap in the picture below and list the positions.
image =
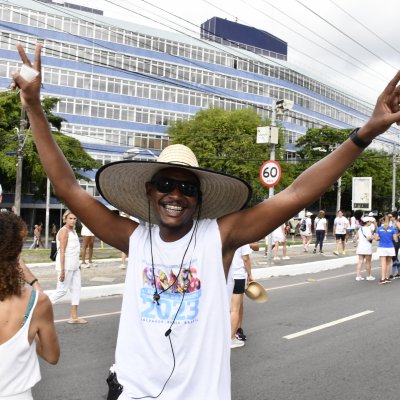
(33, 282)
(357, 140)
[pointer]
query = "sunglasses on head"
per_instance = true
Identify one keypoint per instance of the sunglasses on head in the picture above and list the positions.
(167, 185)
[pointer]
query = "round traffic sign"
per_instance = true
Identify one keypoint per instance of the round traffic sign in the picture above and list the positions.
(270, 173)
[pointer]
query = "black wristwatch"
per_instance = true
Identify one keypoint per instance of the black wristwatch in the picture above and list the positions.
(357, 140)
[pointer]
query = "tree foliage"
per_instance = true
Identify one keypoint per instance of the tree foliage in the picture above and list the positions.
(317, 143)
(225, 141)
(33, 176)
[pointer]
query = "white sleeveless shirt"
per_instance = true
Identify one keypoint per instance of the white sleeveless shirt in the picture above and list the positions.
(201, 332)
(19, 365)
(72, 252)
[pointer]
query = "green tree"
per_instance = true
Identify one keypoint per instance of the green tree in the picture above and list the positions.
(225, 141)
(319, 142)
(34, 178)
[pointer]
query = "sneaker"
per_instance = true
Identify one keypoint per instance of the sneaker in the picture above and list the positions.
(382, 281)
(92, 265)
(397, 276)
(240, 334)
(84, 265)
(236, 343)
(286, 258)
(321, 252)
(122, 266)
(388, 280)
(277, 258)
(359, 278)
(344, 252)
(314, 251)
(370, 278)
(335, 253)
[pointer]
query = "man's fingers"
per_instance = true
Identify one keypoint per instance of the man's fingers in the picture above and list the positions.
(392, 85)
(37, 62)
(23, 55)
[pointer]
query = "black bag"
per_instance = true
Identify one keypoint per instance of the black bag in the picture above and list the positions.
(114, 387)
(53, 250)
(303, 225)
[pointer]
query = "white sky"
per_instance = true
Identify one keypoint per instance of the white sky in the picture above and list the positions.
(363, 71)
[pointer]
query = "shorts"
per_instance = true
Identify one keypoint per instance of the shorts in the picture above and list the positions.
(340, 236)
(86, 232)
(385, 251)
(240, 284)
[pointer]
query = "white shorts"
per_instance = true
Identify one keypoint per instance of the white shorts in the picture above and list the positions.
(85, 232)
(385, 251)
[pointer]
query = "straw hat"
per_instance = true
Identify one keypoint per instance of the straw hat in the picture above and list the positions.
(256, 292)
(122, 184)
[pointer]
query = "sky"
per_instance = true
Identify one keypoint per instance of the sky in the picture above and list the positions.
(351, 44)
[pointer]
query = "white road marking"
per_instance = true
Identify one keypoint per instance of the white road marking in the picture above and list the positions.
(90, 316)
(327, 325)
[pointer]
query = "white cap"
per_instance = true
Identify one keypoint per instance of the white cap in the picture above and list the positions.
(371, 214)
(308, 214)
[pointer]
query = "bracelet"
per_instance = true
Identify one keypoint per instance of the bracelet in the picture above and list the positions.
(357, 140)
(34, 281)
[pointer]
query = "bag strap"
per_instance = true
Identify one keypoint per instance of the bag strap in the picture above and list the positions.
(32, 299)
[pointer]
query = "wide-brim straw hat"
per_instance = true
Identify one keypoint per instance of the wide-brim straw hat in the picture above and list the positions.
(256, 292)
(122, 184)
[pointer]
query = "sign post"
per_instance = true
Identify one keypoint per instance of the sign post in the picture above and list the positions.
(362, 193)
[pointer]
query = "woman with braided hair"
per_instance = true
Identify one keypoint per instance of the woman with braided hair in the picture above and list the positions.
(26, 318)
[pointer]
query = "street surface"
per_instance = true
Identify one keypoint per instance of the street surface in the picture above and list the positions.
(320, 336)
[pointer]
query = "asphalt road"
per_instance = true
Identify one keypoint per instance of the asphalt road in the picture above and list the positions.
(355, 357)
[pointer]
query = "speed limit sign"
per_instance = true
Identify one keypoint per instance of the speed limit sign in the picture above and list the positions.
(270, 173)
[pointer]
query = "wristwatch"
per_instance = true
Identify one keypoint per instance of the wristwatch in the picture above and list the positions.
(357, 140)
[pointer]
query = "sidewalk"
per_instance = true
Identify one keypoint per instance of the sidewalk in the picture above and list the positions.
(107, 279)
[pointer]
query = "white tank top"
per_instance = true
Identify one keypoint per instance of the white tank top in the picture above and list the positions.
(72, 252)
(201, 333)
(19, 366)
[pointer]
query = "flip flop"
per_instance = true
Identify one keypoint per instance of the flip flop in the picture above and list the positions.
(77, 321)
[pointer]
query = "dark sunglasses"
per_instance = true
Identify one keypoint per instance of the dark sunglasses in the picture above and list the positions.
(167, 185)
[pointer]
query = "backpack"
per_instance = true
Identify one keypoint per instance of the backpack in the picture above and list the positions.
(303, 225)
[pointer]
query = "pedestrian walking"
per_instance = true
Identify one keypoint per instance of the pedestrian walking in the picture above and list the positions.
(320, 227)
(174, 333)
(241, 271)
(364, 239)
(26, 318)
(306, 231)
(68, 266)
(37, 240)
(87, 244)
(386, 234)
(340, 225)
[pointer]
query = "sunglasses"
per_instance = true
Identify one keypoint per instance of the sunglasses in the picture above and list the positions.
(167, 185)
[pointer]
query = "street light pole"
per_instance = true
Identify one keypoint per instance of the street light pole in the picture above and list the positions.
(394, 179)
(18, 181)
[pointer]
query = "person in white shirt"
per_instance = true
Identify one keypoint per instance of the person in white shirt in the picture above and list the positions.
(321, 227)
(279, 236)
(364, 248)
(340, 225)
(176, 306)
(306, 235)
(241, 270)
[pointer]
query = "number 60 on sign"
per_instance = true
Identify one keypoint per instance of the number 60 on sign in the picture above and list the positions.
(270, 173)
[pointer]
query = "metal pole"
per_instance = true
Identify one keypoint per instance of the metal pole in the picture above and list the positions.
(46, 240)
(18, 182)
(339, 194)
(271, 189)
(394, 179)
